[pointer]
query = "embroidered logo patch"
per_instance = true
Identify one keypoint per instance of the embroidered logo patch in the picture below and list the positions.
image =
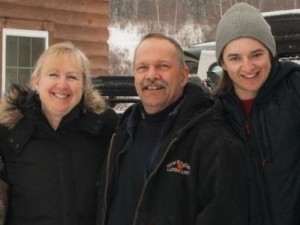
(178, 166)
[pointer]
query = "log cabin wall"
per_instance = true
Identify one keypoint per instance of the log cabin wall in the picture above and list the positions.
(83, 22)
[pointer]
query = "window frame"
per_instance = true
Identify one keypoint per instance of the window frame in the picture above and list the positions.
(19, 33)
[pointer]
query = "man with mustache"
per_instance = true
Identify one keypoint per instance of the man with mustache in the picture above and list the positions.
(173, 159)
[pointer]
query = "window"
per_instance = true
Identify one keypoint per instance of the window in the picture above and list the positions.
(21, 49)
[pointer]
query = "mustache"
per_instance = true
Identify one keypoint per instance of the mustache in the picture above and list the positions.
(156, 83)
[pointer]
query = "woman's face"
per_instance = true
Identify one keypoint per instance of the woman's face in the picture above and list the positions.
(60, 86)
(248, 64)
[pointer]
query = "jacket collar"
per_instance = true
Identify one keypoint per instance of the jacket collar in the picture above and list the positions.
(21, 100)
(195, 104)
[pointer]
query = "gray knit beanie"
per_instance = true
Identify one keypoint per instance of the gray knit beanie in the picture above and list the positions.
(243, 20)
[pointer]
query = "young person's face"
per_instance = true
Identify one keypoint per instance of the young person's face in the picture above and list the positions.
(60, 86)
(248, 64)
(159, 76)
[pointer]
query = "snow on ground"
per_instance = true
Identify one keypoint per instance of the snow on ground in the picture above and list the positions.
(123, 39)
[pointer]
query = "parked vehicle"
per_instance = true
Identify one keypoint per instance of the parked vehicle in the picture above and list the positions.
(201, 60)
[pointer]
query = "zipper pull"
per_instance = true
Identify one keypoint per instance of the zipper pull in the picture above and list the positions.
(247, 128)
(264, 162)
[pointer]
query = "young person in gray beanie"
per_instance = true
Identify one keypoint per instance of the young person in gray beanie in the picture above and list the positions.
(261, 98)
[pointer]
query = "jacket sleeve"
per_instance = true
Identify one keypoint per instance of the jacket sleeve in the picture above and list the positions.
(295, 84)
(225, 184)
(3, 195)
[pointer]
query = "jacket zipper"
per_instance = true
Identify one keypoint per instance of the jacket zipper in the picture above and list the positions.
(260, 168)
(107, 181)
(149, 178)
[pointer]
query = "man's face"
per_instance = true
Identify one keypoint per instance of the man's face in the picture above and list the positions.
(159, 76)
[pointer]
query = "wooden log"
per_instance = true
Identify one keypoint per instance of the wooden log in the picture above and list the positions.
(57, 16)
(77, 33)
(89, 6)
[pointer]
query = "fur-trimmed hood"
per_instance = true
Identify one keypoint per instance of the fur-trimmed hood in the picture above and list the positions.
(13, 101)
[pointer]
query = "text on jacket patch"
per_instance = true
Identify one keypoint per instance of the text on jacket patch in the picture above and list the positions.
(178, 166)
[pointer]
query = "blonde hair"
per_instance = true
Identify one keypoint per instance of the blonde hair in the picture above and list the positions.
(62, 49)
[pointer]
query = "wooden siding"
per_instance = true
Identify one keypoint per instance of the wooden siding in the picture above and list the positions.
(83, 22)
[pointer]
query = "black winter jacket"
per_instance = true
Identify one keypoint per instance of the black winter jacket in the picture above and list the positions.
(199, 179)
(273, 145)
(53, 175)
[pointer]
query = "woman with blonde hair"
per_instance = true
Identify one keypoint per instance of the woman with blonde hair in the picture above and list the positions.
(53, 138)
